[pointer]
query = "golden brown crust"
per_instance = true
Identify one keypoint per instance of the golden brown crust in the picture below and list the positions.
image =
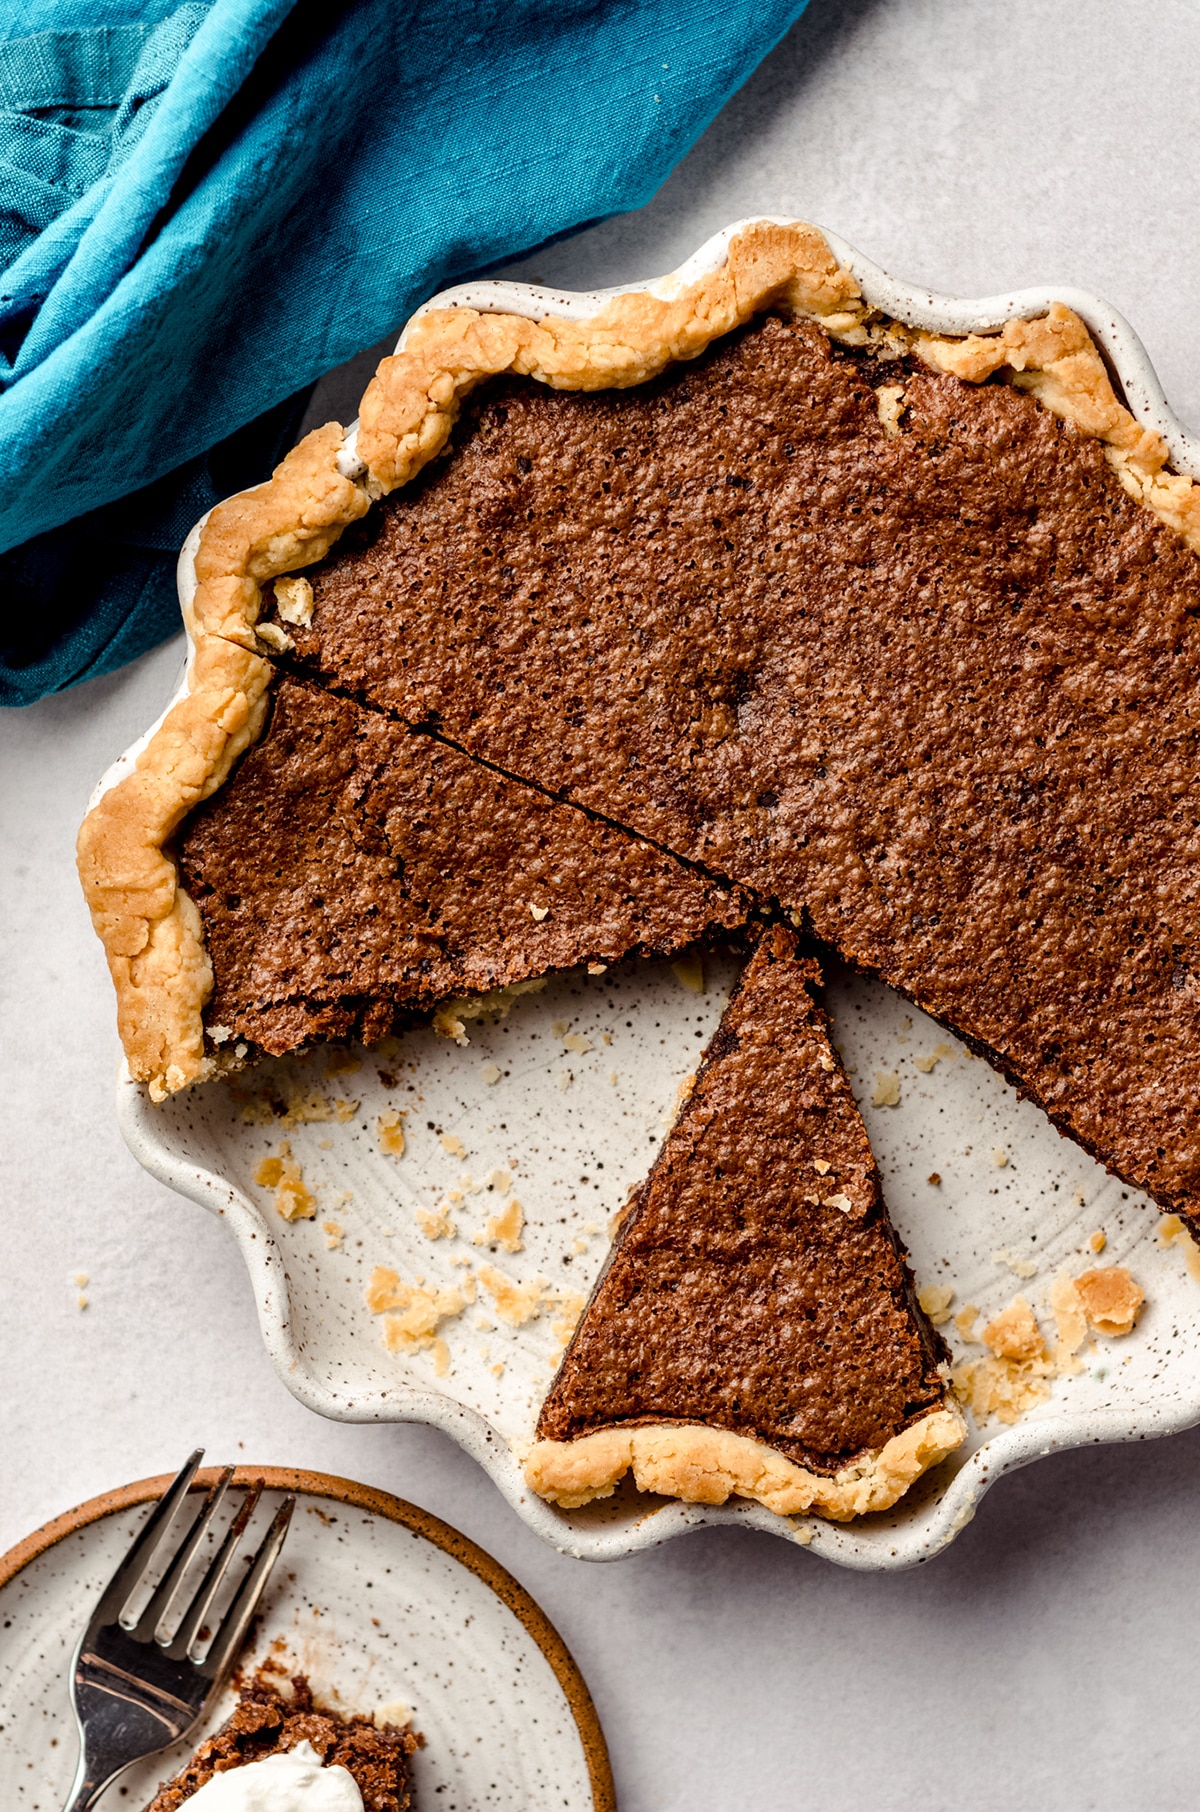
(150, 930)
(413, 400)
(705, 1465)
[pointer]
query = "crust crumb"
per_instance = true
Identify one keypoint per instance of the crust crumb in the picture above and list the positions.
(516, 1303)
(1112, 1299)
(1020, 1267)
(935, 1300)
(886, 1092)
(390, 1131)
(294, 1201)
(412, 1314)
(435, 1223)
(505, 1228)
(891, 403)
(965, 1321)
(1013, 1380)
(1172, 1228)
(294, 601)
(303, 1108)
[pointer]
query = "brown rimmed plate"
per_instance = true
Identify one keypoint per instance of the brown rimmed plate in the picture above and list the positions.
(385, 1608)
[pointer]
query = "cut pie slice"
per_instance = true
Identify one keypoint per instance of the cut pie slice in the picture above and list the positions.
(287, 1741)
(352, 871)
(754, 1331)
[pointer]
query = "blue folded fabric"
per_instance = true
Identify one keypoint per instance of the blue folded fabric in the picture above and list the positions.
(203, 207)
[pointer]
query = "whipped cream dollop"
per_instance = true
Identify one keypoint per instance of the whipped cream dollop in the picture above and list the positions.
(292, 1782)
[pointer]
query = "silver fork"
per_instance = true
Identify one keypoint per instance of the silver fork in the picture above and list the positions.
(134, 1688)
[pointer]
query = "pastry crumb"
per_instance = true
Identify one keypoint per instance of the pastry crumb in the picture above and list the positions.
(999, 1157)
(294, 601)
(516, 1303)
(935, 1178)
(1014, 1333)
(563, 1079)
(965, 1321)
(389, 1130)
(841, 1201)
(453, 1144)
(441, 1357)
(1173, 1227)
(275, 638)
(304, 1108)
(935, 1300)
(341, 1063)
(1097, 1241)
(886, 1092)
(538, 912)
(890, 401)
(500, 1180)
(938, 1055)
(504, 1229)
(827, 1063)
(597, 968)
(491, 1074)
(1020, 1267)
(334, 1233)
(435, 1223)
(803, 1535)
(412, 1314)
(345, 1110)
(821, 1166)
(575, 1041)
(1112, 1299)
(294, 1201)
(689, 970)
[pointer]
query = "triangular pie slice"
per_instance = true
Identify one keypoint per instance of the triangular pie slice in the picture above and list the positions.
(754, 1332)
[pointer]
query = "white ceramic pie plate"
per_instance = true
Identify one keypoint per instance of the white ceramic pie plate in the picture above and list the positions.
(577, 1128)
(384, 1607)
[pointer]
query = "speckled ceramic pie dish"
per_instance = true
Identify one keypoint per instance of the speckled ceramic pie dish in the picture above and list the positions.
(385, 1608)
(512, 1133)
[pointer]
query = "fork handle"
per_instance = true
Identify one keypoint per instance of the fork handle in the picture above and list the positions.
(85, 1788)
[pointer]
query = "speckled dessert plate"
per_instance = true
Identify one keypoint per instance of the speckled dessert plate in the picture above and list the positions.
(567, 1098)
(386, 1609)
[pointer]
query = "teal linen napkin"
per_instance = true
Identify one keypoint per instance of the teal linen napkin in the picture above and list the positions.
(203, 207)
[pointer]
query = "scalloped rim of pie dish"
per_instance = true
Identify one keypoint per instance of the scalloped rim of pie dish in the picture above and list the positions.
(152, 931)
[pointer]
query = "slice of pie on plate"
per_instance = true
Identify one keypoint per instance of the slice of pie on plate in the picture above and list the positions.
(754, 1331)
(295, 1751)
